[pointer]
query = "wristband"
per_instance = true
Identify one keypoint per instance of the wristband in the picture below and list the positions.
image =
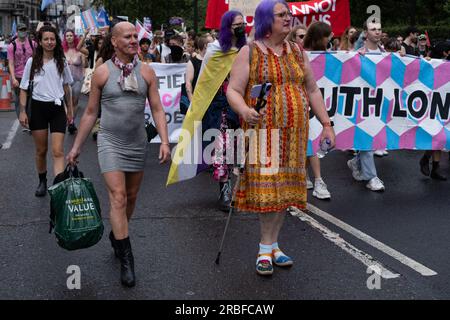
(328, 124)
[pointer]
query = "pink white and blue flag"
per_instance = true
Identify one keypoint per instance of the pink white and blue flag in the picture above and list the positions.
(46, 3)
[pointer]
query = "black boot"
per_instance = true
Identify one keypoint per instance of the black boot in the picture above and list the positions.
(41, 190)
(114, 244)
(225, 196)
(127, 276)
(425, 165)
(435, 172)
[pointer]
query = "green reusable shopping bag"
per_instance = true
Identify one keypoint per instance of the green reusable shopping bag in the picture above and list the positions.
(77, 215)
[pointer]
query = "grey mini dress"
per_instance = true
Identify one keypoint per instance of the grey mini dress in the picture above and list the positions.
(122, 137)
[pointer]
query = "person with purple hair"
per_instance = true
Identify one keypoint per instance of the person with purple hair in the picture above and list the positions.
(277, 179)
(219, 115)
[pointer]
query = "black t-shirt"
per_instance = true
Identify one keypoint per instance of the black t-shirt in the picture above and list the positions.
(91, 49)
(197, 63)
(410, 50)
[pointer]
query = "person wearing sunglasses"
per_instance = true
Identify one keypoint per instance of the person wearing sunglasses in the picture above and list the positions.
(19, 51)
(277, 181)
(297, 35)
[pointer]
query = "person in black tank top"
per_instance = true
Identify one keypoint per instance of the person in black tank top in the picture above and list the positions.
(194, 65)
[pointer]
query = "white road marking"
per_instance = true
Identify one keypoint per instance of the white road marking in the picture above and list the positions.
(344, 245)
(416, 266)
(11, 135)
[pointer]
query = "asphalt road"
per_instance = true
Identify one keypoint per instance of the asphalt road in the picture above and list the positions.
(176, 231)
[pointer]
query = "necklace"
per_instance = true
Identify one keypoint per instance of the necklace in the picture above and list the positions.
(277, 50)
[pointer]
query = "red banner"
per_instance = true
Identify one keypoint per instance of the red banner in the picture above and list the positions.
(334, 12)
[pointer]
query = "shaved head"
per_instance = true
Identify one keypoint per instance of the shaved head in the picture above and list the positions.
(124, 39)
(121, 27)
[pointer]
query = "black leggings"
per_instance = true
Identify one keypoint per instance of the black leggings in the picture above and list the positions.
(44, 114)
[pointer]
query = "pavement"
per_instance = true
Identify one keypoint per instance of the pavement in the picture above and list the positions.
(176, 232)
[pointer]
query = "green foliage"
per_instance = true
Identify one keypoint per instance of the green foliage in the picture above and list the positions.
(434, 32)
(395, 14)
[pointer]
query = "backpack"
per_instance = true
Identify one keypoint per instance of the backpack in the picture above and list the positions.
(15, 45)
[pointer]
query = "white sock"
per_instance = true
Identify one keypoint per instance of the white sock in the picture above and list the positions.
(265, 249)
(277, 252)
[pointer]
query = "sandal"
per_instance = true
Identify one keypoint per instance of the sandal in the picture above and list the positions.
(264, 265)
(282, 260)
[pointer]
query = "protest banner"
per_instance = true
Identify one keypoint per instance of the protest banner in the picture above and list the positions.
(147, 24)
(170, 78)
(246, 7)
(377, 101)
(78, 26)
(334, 12)
(383, 101)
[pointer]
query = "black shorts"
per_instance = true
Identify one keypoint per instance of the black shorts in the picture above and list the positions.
(44, 114)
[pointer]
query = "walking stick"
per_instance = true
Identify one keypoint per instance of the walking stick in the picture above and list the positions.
(261, 96)
(228, 221)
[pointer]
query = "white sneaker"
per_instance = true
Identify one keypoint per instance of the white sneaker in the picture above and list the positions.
(309, 184)
(379, 153)
(355, 170)
(385, 153)
(320, 190)
(375, 184)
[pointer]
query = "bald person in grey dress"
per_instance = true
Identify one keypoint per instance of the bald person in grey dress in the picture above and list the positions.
(122, 138)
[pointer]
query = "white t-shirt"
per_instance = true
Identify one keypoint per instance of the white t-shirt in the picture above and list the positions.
(377, 50)
(165, 52)
(48, 84)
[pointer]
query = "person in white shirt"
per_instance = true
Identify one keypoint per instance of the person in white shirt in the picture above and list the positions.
(50, 75)
(363, 164)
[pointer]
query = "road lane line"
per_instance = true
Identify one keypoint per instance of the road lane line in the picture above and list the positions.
(344, 245)
(11, 135)
(416, 266)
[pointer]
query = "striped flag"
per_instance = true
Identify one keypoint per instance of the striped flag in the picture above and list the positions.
(103, 18)
(188, 156)
(142, 33)
(14, 28)
(89, 18)
(46, 3)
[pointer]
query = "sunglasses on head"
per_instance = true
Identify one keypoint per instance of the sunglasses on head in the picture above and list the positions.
(23, 29)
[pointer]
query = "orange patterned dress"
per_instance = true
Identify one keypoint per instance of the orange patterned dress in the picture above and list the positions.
(274, 176)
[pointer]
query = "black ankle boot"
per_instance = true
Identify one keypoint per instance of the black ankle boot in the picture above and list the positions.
(225, 196)
(425, 165)
(127, 276)
(114, 244)
(435, 172)
(41, 190)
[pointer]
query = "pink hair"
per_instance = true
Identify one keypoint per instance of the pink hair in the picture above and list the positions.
(75, 41)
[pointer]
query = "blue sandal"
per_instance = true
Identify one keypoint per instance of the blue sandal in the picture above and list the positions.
(282, 260)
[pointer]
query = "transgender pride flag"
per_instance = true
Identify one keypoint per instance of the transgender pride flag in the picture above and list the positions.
(89, 18)
(46, 3)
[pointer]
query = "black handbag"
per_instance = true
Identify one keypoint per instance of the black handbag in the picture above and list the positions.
(29, 98)
(151, 130)
(184, 100)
